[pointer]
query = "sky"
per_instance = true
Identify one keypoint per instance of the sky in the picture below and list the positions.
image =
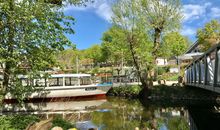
(94, 19)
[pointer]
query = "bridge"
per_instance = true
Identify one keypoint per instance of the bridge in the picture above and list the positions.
(204, 72)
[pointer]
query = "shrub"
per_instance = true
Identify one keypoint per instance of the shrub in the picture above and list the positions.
(125, 91)
(17, 122)
(59, 121)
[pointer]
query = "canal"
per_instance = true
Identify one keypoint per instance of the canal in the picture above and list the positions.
(127, 114)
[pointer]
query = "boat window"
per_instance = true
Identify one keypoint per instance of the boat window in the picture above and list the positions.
(55, 81)
(71, 81)
(39, 82)
(26, 82)
(85, 81)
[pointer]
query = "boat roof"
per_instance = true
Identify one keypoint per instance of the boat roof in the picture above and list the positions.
(61, 75)
(70, 75)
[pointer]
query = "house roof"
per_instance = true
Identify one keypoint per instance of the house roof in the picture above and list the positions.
(189, 56)
(192, 47)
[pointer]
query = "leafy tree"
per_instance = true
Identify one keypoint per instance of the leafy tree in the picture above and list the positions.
(127, 18)
(209, 35)
(31, 34)
(160, 16)
(67, 58)
(94, 53)
(174, 44)
(143, 20)
(113, 47)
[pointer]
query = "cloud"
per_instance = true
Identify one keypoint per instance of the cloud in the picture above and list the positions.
(193, 11)
(215, 12)
(188, 31)
(101, 7)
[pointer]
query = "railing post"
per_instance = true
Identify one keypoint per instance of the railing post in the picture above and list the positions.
(191, 74)
(199, 67)
(216, 68)
(206, 70)
(194, 66)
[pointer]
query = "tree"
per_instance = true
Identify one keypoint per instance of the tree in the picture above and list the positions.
(209, 35)
(67, 58)
(31, 33)
(94, 53)
(113, 46)
(136, 41)
(160, 16)
(173, 44)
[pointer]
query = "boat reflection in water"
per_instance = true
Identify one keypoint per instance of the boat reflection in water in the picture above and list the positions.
(124, 114)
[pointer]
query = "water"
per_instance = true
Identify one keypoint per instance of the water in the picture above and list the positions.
(124, 114)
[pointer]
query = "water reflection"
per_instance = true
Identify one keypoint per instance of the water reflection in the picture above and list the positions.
(124, 114)
(131, 114)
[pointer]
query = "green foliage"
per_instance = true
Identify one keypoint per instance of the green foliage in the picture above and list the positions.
(162, 70)
(161, 15)
(143, 23)
(67, 58)
(94, 53)
(17, 122)
(168, 77)
(114, 47)
(30, 38)
(129, 91)
(177, 123)
(59, 121)
(174, 44)
(209, 35)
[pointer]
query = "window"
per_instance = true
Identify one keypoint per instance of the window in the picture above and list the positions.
(71, 81)
(55, 81)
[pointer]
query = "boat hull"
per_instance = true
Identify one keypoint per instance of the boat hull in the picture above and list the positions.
(51, 94)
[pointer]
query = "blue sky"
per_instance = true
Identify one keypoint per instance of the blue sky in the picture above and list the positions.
(93, 20)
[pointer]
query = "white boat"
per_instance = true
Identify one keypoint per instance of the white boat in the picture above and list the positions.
(76, 86)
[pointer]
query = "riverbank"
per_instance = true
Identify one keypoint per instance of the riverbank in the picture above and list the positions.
(164, 92)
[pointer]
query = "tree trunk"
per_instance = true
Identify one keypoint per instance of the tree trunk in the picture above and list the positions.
(143, 79)
(9, 63)
(157, 35)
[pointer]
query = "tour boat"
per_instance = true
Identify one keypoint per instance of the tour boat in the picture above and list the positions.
(73, 86)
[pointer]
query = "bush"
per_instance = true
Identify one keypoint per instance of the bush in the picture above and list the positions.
(162, 70)
(125, 91)
(168, 77)
(59, 121)
(17, 122)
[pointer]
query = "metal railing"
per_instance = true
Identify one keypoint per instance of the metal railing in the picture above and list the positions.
(205, 71)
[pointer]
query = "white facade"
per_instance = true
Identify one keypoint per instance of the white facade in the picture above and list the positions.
(174, 70)
(161, 62)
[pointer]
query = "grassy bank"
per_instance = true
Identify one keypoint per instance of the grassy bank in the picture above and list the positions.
(181, 93)
(163, 92)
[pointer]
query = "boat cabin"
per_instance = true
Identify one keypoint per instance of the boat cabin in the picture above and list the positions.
(55, 80)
